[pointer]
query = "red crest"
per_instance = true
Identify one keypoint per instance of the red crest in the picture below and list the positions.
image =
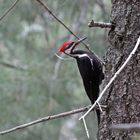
(64, 45)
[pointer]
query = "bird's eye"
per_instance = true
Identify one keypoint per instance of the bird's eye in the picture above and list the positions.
(69, 46)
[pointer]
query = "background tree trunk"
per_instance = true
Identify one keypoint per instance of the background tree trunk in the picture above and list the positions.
(123, 97)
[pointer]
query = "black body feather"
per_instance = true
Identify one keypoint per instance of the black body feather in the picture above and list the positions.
(92, 74)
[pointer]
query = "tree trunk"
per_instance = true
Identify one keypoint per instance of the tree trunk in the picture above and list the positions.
(123, 97)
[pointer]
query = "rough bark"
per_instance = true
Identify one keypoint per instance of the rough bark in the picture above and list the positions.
(123, 97)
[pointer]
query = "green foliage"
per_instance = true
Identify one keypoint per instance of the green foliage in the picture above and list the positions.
(29, 36)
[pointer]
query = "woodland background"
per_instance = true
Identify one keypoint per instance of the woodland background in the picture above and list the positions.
(33, 82)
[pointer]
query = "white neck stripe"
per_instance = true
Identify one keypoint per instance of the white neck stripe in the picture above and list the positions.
(82, 55)
(85, 55)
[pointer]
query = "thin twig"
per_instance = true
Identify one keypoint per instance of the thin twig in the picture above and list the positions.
(100, 107)
(17, 66)
(113, 78)
(44, 119)
(99, 24)
(85, 126)
(61, 22)
(126, 127)
(9, 9)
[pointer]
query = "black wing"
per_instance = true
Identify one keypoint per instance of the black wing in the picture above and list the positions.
(91, 72)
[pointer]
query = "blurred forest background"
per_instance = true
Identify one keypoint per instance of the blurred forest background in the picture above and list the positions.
(33, 82)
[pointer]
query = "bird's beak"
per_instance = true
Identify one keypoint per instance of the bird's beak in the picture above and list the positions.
(80, 40)
(76, 43)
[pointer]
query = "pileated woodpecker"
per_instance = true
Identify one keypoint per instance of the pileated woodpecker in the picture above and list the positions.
(90, 69)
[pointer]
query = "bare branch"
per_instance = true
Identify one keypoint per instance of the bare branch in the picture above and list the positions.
(99, 24)
(44, 119)
(126, 127)
(14, 65)
(61, 22)
(85, 126)
(8, 10)
(100, 107)
(113, 78)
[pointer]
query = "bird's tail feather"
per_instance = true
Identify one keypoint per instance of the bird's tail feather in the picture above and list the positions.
(98, 116)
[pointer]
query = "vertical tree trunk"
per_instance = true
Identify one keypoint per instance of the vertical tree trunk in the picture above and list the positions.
(123, 97)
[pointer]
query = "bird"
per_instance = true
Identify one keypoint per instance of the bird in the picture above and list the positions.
(90, 68)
